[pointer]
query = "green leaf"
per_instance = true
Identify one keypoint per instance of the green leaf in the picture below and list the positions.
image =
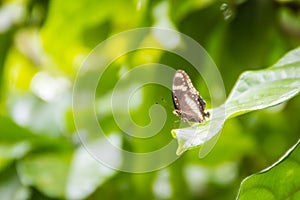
(261, 89)
(86, 173)
(46, 171)
(280, 181)
(9, 152)
(11, 187)
(49, 164)
(254, 90)
(85, 23)
(10, 132)
(179, 9)
(14, 141)
(68, 174)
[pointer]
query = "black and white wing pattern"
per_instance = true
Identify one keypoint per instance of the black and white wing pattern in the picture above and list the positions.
(187, 102)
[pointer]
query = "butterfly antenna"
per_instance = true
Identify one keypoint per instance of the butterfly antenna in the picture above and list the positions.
(167, 104)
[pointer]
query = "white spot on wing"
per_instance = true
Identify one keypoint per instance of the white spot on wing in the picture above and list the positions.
(179, 87)
(190, 102)
(178, 75)
(193, 106)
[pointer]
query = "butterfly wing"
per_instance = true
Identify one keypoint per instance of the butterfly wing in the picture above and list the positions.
(187, 101)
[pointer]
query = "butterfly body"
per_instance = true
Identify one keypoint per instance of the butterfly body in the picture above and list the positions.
(188, 104)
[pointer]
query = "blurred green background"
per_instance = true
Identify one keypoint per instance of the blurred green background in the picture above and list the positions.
(42, 45)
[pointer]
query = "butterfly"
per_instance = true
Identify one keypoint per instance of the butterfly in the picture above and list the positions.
(188, 104)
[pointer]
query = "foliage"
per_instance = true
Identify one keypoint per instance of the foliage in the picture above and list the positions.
(42, 46)
(253, 91)
(268, 184)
